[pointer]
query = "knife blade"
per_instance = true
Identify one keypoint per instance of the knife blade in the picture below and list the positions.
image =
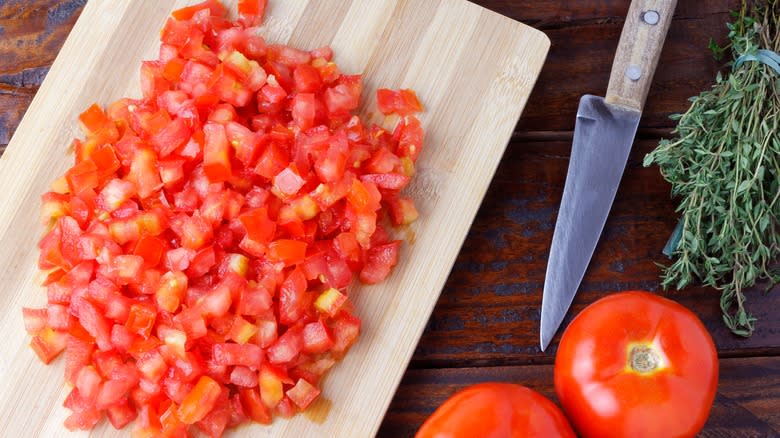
(604, 132)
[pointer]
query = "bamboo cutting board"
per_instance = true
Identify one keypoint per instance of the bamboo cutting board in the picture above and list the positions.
(473, 70)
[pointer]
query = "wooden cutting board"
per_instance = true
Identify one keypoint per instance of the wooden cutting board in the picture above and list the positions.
(473, 70)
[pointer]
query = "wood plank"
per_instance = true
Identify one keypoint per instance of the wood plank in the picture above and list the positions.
(556, 14)
(429, 40)
(31, 34)
(584, 36)
(745, 405)
(489, 310)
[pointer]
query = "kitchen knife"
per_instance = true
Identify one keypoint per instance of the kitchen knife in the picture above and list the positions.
(603, 134)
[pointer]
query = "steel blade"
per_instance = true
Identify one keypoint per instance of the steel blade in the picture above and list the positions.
(603, 136)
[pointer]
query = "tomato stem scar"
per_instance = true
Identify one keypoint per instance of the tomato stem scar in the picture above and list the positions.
(643, 359)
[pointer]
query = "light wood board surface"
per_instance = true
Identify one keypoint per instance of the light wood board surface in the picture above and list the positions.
(472, 69)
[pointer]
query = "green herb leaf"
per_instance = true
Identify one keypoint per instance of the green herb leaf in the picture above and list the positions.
(724, 168)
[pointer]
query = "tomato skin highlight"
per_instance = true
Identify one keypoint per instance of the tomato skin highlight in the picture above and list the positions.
(618, 336)
(496, 410)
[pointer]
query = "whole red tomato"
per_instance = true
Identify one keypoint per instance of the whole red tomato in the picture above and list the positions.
(634, 364)
(496, 410)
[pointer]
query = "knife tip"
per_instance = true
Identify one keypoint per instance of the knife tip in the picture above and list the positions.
(543, 343)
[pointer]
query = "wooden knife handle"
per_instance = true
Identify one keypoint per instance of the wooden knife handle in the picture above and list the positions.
(638, 51)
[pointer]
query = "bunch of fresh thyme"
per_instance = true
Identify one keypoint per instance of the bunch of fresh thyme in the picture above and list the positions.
(724, 166)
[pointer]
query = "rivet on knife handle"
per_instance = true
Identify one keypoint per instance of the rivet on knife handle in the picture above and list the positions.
(638, 51)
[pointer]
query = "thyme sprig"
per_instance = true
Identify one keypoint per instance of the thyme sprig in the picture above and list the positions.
(724, 166)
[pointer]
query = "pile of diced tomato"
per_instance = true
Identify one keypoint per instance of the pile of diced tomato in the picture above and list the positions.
(199, 250)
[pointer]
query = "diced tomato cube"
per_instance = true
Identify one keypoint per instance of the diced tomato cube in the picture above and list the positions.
(273, 160)
(287, 347)
(152, 365)
(192, 323)
(242, 330)
(193, 231)
(259, 227)
(303, 393)
(243, 376)
(143, 173)
(330, 302)
(403, 102)
(199, 401)
(249, 355)
(293, 297)
(287, 182)
(402, 210)
(121, 414)
(178, 259)
(35, 320)
(250, 12)
(114, 194)
(303, 110)
(48, 344)
(141, 319)
(173, 285)
(380, 261)
(345, 329)
(58, 317)
(316, 338)
(253, 405)
(171, 137)
(410, 138)
(122, 338)
(254, 301)
(88, 382)
(216, 154)
(271, 383)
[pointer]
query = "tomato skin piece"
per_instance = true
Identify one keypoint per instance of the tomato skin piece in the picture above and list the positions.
(403, 102)
(214, 7)
(258, 225)
(671, 399)
(289, 252)
(496, 410)
(410, 139)
(151, 249)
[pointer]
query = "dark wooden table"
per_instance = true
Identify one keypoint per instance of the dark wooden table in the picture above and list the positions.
(486, 324)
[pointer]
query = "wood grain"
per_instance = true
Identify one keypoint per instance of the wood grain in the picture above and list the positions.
(418, 44)
(584, 36)
(745, 405)
(30, 37)
(488, 312)
(638, 50)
